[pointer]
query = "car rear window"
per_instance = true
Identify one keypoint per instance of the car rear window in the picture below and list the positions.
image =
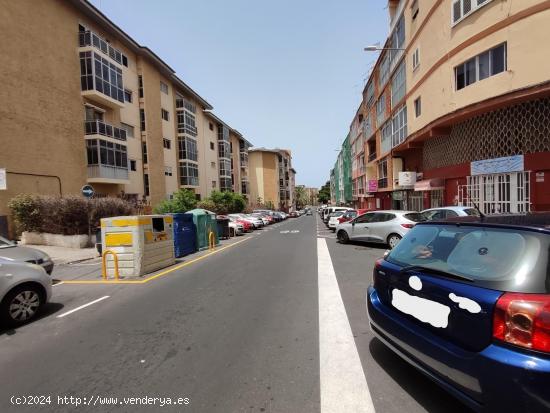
(413, 216)
(472, 212)
(503, 259)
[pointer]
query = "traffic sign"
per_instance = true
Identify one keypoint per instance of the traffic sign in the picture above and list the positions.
(88, 191)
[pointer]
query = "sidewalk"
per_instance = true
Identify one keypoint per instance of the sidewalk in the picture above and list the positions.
(62, 255)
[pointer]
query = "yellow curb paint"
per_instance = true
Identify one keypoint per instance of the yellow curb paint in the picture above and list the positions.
(161, 274)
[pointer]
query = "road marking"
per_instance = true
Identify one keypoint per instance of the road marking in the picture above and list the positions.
(285, 232)
(83, 306)
(343, 384)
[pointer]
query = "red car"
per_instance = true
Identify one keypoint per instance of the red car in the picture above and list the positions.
(352, 214)
(247, 226)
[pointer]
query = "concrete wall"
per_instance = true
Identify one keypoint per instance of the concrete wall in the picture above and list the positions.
(208, 157)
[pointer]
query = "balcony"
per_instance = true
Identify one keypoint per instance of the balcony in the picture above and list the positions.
(244, 187)
(244, 159)
(362, 170)
(89, 38)
(383, 183)
(98, 127)
(107, 174)
(372, 157)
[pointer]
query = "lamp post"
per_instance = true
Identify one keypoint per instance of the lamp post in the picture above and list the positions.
(374, 48)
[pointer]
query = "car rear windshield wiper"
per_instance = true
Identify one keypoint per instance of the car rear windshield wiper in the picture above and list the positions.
(431, 270)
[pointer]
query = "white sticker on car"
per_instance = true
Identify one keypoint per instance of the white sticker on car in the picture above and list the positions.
(466, 303)
(425, 310)
(415, 283)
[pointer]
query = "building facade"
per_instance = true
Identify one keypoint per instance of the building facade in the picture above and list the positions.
(89, 105)
(455, 111)
(272, 178)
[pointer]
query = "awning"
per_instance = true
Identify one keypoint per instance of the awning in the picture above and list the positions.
(429, 184)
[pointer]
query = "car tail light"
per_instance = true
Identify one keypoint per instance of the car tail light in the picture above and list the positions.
(407, 225)
(378, 263)
(523, 320)
(340, 220)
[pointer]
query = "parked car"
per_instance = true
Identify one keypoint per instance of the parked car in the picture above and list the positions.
(351, 214)
(235, 228)
(309, 212)
(11, 252)
(333, 219)
(387, 227)
(24, 290)
(330, 210)
(467, 302)
(255, 222)
(448, 212)
(293, 214)
(263, 218)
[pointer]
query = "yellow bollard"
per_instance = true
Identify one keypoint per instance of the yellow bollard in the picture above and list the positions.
(211, 240)
(104, 264)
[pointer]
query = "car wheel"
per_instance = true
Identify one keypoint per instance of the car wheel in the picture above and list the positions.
(393, 240)
(342, 237)
(21, 305)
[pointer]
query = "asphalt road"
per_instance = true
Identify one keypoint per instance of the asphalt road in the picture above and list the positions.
(238, 331)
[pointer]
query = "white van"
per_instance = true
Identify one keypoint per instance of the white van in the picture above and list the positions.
(330, 210)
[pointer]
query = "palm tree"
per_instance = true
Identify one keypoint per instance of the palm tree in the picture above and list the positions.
(301, 197)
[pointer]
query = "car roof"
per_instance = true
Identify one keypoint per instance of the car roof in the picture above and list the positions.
(392, 211)
(450, 208)
(532, 221)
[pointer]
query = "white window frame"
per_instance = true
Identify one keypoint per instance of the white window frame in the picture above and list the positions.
(416, 59)
(163, 87)
(418, 107)
(475, 7)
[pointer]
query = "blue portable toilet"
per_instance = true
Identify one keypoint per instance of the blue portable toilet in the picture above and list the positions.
(185, 234)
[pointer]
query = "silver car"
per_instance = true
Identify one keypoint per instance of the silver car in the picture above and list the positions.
(24, 289)
(387, 227)
(11, 252)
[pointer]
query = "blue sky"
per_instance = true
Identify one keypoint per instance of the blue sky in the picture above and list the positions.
(285, 73)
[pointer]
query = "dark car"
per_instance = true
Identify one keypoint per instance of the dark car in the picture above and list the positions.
(467, 302)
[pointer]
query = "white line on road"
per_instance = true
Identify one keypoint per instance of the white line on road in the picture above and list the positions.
(343, 384)
(83, 306)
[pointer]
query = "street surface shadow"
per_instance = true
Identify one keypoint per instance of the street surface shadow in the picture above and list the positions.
(421, 388)
(368, 245)
(48, 310)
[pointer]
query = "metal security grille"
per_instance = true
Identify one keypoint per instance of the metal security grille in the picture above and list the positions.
(436, 198)
(519, 129)
(497, 193)
(413, 202)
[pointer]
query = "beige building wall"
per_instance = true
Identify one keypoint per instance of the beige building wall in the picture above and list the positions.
(208, 156)
(522, 24)
(235, 162)
(168, 102)
(263, 173)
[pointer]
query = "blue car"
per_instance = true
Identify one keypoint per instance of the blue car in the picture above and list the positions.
(467, 302)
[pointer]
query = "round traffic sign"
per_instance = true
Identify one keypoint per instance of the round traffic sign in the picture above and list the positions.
(88, 191)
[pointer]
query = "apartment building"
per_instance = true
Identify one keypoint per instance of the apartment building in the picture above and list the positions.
(272, 177)
(86, 104)
(342, 186)
(456, 109)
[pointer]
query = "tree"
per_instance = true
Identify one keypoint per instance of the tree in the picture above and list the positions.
(301, 197)
(225, 202)
(324, 193)
(184, 200)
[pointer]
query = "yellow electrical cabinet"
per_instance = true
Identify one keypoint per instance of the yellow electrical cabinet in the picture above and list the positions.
(142, 244)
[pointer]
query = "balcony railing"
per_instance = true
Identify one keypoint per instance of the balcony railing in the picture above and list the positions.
(372, 156)
(107, 172)
(362, 169)
(244, 159)
(89, 38)
(383, 183)
(98, 127)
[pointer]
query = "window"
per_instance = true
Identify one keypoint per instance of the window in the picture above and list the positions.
(399, 126)
(144, 151)
(381, 110)
(225, 184)
(369, 93)
(225, 167)
(482, 66)
(140, 80)
(167, 171)
(146, 184)
(398, 85)
(385, 141)
(214, 184)
(165, 114)
(416, 58)
(167, 143)
(414, 9)
(142, 120)
(212, 146)
(187, 148)
(133, 164)
(109, 154)
(224, 150)
(124, 61)
(210, 125)
(163, 87)
(383, 173)
(417, 107)
(213, 164)
(189, 174)
(384, 71)
(128, 128)
(397, 42)
(98, 73)
(127, 95)
(463, 8)
(186, 122)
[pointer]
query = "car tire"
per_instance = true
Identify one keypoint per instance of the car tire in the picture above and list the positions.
(393, 240)
(30, 296)
(343, 237)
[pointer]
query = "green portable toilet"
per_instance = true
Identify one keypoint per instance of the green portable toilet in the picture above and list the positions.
(205, 222)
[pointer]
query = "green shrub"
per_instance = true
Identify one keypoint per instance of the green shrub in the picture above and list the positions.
(25, 209)
(184, 200)
(109, 207)
(207, 204)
